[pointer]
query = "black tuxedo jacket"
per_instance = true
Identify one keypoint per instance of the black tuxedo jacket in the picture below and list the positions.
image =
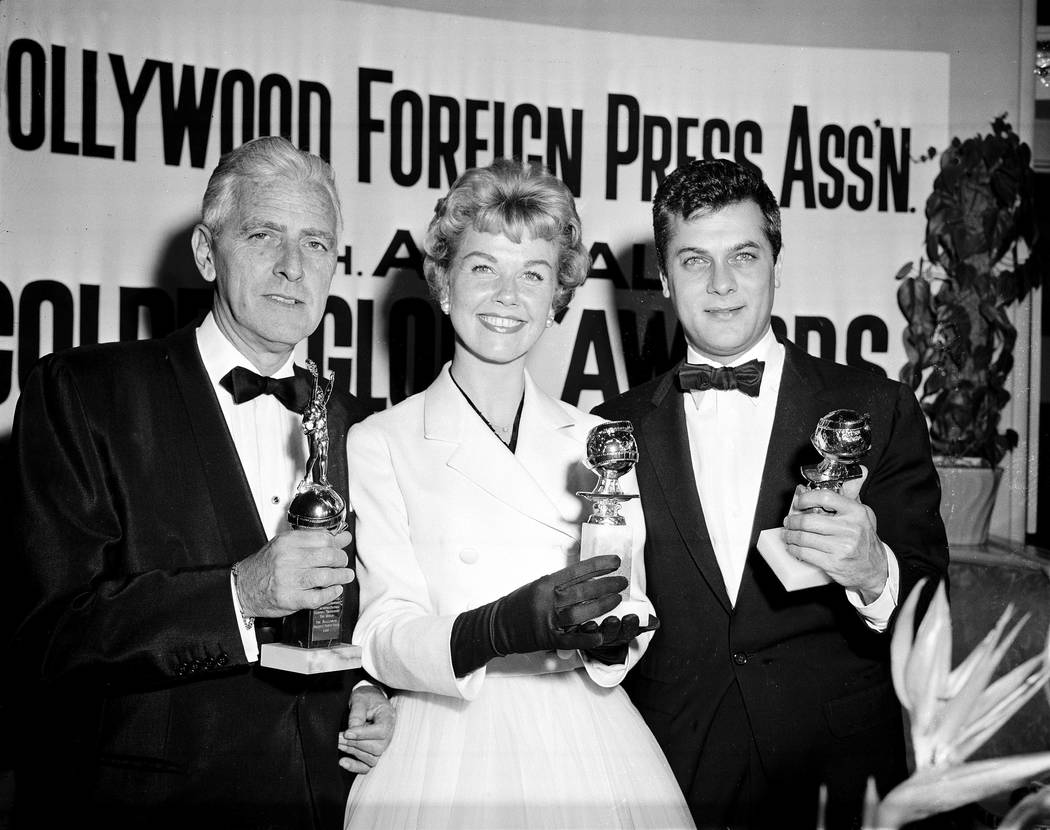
(813, 680)
(139, 706)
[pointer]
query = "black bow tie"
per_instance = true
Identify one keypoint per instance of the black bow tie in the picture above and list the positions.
(244, 384)
(747, 377)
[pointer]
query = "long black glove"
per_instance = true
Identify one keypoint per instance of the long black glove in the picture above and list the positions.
(540, 616)
(617, 633)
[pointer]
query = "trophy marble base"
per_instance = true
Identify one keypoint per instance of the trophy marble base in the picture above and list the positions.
(339, 657)
(793, 574)
(600, 540)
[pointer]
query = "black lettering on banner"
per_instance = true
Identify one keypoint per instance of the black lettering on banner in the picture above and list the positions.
(236, 84)
(639, 281)
(523, 113)
(798, 164)
(34, 295)
(131, 99)
(157, 306)
(188, 118)
(646, 354)
(860, 147)
(365, 338)
(563, 162)
(880, 340)
(24, 137)
(7, 328)
(366, 124)
(339, 319)
(593, 331)
(832, 146)
(338, 311)
(654, 162)
(59, 142)
(89, 295)
(779, 327)
(711, 127)
(308, 90)
(401, 99)
(474, 143)
(856, 147)
(823, 328)
(604, 265)
(151, 305)
(893, 171)
(274, 83)
(411, 261)
(745, 130)
(682, 128)
(444, 111)
(346, 259)
(614, 156)
(448, 127)
(412, 356)
(499, 120)
(89, 110)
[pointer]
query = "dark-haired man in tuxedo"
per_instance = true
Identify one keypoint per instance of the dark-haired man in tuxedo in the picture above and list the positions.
(154, 557)
(759, 695)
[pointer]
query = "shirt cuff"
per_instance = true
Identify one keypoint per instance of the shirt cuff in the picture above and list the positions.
(877, 614)
(367, 682)
(251, 645)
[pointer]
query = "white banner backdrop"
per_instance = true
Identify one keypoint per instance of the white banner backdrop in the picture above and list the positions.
(115, 113)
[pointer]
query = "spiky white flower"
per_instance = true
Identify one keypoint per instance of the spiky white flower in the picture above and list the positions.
(954, 711)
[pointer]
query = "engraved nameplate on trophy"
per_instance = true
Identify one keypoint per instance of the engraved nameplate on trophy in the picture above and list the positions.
(841, 437)
(311, 638)
(612, 452)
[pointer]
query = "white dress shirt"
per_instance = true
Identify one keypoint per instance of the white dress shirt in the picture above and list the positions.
(269, 441)
(728, 437)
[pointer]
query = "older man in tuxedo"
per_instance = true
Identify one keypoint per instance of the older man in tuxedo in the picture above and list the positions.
(759, 695)
(154, 557)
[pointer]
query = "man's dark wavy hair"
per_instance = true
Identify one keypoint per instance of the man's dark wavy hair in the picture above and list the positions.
(708, 185)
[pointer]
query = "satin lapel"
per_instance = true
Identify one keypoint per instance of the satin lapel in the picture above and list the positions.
(228, 499)
(664, 440)
(800, 403)
(477, 454)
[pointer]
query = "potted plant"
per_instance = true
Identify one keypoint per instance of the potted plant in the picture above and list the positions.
(983, 254)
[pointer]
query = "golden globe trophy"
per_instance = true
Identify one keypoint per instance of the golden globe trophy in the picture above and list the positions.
(612, 452)
(311, 638)
(841, 437)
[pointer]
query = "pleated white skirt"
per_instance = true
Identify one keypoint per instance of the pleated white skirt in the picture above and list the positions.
(535, 751)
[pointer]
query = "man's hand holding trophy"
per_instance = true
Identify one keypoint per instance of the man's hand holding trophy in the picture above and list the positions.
(311, 638)
(842, 437)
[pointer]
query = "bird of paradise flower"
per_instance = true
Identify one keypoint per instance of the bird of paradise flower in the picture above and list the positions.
(953, 712)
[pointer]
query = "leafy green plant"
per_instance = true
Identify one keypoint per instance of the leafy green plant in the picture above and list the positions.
(958, 336)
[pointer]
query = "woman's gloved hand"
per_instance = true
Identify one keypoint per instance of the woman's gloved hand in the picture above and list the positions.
(546, 614)
(617, 634)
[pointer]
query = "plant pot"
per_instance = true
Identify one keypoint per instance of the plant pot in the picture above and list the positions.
(967, 498)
